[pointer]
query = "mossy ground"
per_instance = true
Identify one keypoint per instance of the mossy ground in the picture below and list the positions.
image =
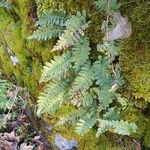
(17, 24)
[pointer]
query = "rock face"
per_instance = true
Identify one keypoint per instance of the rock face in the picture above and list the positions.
(17, 23)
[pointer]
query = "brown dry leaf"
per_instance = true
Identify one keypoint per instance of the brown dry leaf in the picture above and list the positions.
(123, 28)
(11, 137)
(40, 147)
(137, 145)
(24, 146)
(22, 118)
(5, 145)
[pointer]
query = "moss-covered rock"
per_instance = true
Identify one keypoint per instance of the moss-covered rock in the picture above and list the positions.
(17, 24)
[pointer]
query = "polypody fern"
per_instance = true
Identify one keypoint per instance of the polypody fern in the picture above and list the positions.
(90, 85)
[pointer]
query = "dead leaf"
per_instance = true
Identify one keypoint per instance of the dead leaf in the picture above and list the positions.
(40, 147)
(5, 145)
(11, 137)
(137, 145)
(123, 28)
(24, 146)
(22, 118)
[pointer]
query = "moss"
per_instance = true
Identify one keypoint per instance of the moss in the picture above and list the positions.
(143, 122)
(135, 53)
(88, 141)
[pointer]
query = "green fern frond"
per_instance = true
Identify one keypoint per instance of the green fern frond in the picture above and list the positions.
(120, 127)
(52, 17)
(75, 27)
(102, 72)
(45, 33)
(57, 68)
(84, 125)
(109, 49)
(112, 114)
(45, 104)
(72, 117)
(105, 97)
(80, 52)
(87, 99)
(84, 79)
(54, 88)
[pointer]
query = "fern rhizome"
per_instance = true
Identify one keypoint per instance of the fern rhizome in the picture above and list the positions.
(90, 85)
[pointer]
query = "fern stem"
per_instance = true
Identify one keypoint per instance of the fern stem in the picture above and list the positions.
(107, 20)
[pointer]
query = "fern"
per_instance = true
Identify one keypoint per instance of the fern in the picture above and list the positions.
(52, 17)
(45, 104)
(83, 126)
(102, 72)
(72, 117)
(89, 84)
(80, 52)
(57, 68)
(45, 33)
(87, 98)
(75, 27)
(112, 114)
(84, 79)
(120, 127)
(50, 25)
(110, 50)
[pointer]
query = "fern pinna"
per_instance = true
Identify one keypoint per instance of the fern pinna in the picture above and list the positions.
(89, 85)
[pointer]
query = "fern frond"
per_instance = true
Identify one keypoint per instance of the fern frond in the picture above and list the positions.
(87, 99)
(120, 127)
(45, 104)
(80, 52)
(56, 68)
(75, 27)
(102, 72)
(84, 79)
(50, 99)
(105, 97)
(52, 17)
(84, 125)
(72, 117)
(45, 33)
(112, 114)
(54, 88)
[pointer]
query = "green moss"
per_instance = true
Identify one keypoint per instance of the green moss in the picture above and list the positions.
(135, 52)
(143, 123)
(147, 138)
(88, 141)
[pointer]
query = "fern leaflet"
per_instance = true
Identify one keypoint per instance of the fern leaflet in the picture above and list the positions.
(80, 52)
(45, 33)
(84, 125)
(52, 17)
(57, 68)
(75, 27)
(120, 127)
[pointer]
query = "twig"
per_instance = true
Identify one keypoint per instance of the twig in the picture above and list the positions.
(107, 20)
